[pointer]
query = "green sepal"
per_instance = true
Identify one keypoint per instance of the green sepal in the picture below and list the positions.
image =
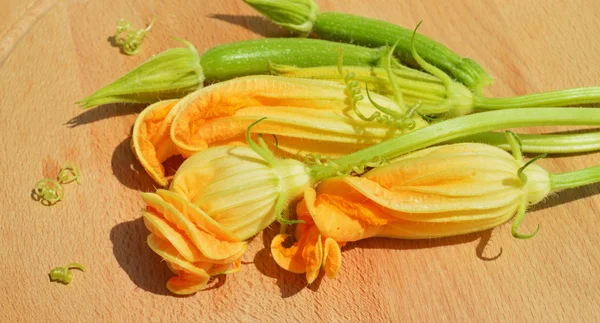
(168, 75)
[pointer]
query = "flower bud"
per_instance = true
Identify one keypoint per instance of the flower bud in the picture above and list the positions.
(297, 16)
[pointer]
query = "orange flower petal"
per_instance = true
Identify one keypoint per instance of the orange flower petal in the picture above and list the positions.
(185, 284)
(151, 142)
(209, 245)
(339, 219)
(161, 228)
(190, 278)
(196, 215)
(332, 258)
(229, 268)
(290, 258)
(312, 253)
(296, 110)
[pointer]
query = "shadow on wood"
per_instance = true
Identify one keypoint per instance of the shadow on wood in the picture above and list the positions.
(255, 24)
(128, 170)
(145, 268)
(484, 238)
(102, 112)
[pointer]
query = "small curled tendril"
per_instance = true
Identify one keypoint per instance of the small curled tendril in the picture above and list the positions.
(69, 173)
(130, 40)
(360, 168)
(63, 274)
(49, 191)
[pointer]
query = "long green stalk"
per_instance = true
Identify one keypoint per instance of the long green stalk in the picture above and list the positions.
(458, 128)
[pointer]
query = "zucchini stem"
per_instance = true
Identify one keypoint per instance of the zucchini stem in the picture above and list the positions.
(461, 127)
(586, 176)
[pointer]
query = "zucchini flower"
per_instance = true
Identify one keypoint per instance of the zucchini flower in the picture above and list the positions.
(304, 116)
(316, 119)
(435, 192)
(218, 198)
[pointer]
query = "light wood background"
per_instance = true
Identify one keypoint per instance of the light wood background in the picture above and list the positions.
(56, 52)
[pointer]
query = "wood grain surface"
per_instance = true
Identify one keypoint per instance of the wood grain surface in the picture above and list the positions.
(56, 52)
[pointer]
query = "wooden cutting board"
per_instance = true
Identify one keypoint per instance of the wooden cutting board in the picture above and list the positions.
(56, 52)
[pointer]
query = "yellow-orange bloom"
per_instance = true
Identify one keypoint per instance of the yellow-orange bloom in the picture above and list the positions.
(306, 116)
(218, 198)
(435, 192)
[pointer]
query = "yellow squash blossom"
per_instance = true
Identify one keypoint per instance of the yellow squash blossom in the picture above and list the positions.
(218, 198)
(435, 192)
(304, 116)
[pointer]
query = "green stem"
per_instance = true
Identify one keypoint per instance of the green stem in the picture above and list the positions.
(546, 143)
(576, 178)
(461, 127)
(576, 96)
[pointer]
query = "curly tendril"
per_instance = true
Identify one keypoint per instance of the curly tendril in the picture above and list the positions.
(359, 168)
(130, 40)
(69, 173)
(515, 144)
(63, 274)
(385, 115)
(431, 69)
(49, 191)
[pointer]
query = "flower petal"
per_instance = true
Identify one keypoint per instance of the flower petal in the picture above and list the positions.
(210, 246)
(340, 219)
(151, 142)
(332, 258)
(190, 278)
(312, 253)
(161, 229)
(196, 215)
(290, 258)
(295, 110)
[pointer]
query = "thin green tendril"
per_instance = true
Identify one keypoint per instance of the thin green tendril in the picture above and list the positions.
(49, 191)
(516, 146)
(522, 175)
(353, 91)
(131, 40)
(359, 168)
(398, 97)
(276, 141)
(523, 206)
(518, 218)
(383, 115)
(261, 149)
(69, 173)
(389, 117)
(63, 274)
(279, 210)
(446, 80)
